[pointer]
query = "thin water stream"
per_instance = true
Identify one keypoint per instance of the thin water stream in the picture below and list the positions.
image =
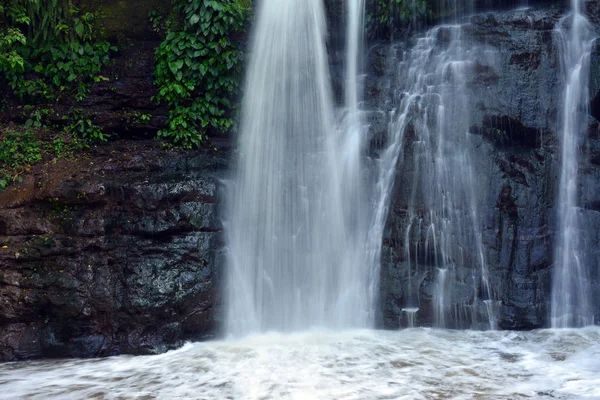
(571, 293)
(443, 226)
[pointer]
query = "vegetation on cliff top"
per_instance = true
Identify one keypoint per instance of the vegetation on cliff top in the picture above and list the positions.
(199, 68)
(49, 50)
(52, 53)
(385, 16)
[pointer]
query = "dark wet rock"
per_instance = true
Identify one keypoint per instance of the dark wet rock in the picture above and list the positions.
(518, 235)
(123, 105)
(526, 60)
(515, 94)
(484, 75)
(378, 91)
(336, 14)
(378, 60)
(507, 131)
(525, 63)
(506, 205)
(595, 80)
(128, 18)
(112, 253)
(592, 10)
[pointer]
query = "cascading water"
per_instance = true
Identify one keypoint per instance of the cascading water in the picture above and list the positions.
(297, 221)
(442, 236)
(571, 291)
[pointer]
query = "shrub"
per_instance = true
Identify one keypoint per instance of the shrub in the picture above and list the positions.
(198, 69)
(48, 47)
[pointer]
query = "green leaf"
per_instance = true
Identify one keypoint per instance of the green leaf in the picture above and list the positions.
(79, 29)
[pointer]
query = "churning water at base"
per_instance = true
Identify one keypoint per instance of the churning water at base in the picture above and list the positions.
(571, 295)
(354, 365)
(297, 223)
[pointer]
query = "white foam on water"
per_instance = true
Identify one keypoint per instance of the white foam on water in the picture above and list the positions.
(359, 364)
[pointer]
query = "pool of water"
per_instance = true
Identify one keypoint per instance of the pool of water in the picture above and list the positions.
(360, 364)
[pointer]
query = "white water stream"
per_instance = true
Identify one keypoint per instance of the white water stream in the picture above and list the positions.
(571, 294)
(443, 230)
(351, 365)
(290, 239)
(303, 226)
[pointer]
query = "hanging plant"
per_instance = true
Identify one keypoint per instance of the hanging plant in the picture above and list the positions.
(199, 69)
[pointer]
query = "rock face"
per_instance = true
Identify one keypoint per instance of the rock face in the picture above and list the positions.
(125, 17)
(514, 122)
(110, 254)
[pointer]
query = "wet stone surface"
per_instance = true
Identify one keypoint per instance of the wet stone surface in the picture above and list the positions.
(111, 253)
(514, 96)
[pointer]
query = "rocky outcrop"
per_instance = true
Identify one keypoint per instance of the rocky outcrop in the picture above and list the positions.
(122, 104)
(595, 81)
(114, 252)
(126, 18)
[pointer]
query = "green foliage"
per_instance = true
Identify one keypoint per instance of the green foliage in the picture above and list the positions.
(156, 20)
(37, 117)
(47, 47)
(87, 130)
(74, 63)
(63, 145)
(384, 15)
(59, 147)
(163, 22)
(198, 69)
(12, 64)
(145, 118)
(82, 127)
(17, 150)
(20, 148)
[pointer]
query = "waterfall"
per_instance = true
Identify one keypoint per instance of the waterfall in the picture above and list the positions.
(356, 9)
(571, 295)
(442, 239)
(298, 216)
